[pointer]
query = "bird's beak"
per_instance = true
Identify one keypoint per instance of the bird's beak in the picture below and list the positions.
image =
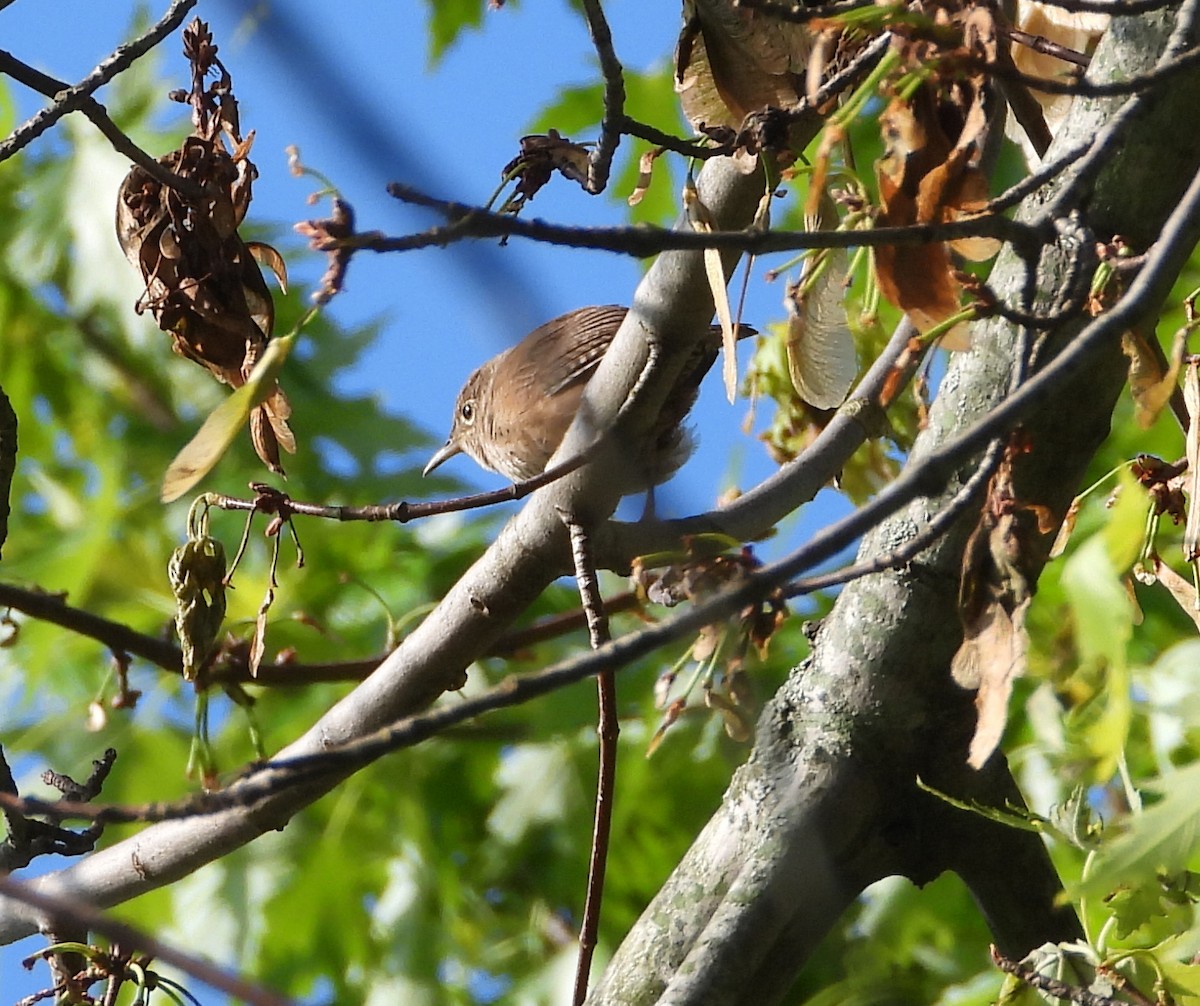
(443, 453)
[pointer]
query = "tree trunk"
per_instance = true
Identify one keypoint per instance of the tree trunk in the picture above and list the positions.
(829, 802)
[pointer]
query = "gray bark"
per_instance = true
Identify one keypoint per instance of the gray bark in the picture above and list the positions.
(828, 802)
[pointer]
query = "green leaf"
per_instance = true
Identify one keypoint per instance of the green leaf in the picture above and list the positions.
(1159, 839)
(1154, 910)
(1182, 981)
(1103, 616)
(1126, 526)
(448, 19)
(211, 441)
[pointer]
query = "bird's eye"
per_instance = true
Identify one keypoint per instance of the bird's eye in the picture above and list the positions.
(466, 412)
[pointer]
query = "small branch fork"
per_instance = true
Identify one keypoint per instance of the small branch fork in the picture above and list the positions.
(27, 838)
(78, 98)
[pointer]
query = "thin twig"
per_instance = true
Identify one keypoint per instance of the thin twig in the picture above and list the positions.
(49, 86)
(1043, 45)
(1045, 174)
(79, 913)
(1056, 988)
(644, 240)
(75, 98)
(606, 730)
(688, 148)
(1165, 70)
(600, 159)
(934, 528)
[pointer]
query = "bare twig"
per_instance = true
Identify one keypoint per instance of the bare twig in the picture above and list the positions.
(922, 539)
(643, 241)
(600, 159)
(78, 97)
(27, 839)
(80, 914)
(53, 88)
(1164, 71)
(606, 730)
(1039, 43)
(1042, 176)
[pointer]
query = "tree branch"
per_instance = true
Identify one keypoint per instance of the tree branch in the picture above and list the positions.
(672, 305)
(828, 802)
(79, 97)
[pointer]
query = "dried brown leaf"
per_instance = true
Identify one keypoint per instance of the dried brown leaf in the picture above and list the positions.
(1182, 589)
(994, 595)
(265, 255)
(702, 220)
(258, 644)
(994, 656)
(732, 61)
(925, 178)
(645, 174)
(540, 156)
(1149, 386)
(203, 284)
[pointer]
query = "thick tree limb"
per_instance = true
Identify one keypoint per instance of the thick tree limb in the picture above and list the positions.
(828, 802)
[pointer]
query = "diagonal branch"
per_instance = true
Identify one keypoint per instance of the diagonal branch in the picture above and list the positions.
(72, 99)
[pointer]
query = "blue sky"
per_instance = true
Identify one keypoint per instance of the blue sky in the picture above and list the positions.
(355, 91)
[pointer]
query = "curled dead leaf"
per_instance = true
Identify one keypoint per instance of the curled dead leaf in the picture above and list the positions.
(540, 156)
(929, 173)
(995, 592)
(645, 171)
(1151, 386)
(203, 284)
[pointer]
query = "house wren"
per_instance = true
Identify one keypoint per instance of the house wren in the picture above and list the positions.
(513, 412)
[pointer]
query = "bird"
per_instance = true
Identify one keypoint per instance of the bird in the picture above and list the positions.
(514, 411)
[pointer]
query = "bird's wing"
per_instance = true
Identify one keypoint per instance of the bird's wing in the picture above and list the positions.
(563, 361)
